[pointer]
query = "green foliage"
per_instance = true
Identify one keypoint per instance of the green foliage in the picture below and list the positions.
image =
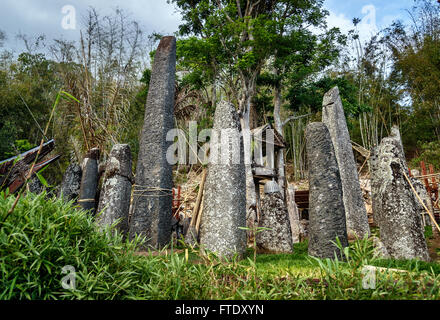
(428, 232)
(429, 153)
(345, 280)
(311, 95)
(26, 91)
(44, 235)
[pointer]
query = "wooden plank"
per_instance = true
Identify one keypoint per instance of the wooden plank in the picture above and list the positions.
(434, 181)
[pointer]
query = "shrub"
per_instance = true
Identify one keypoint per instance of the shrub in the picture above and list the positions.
(42, 236)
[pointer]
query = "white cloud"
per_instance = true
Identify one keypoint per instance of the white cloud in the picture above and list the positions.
(367, 27)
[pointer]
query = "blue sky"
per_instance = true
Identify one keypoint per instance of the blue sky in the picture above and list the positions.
(375, 14)
(34, 17)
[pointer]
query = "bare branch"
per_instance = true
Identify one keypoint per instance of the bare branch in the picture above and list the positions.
(294, 118)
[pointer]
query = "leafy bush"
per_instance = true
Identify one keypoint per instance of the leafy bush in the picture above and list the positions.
(429, 153)
(350, 279)
(44, 235)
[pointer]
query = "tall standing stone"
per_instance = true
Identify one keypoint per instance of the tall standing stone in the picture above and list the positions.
(224, 209)
(71, 184)
(356, 213)
(89, 181)
(292, 209)
(326, 205)
(114, 203)
(151, 208)
(424, 196)
(277, 238)
(395, 206)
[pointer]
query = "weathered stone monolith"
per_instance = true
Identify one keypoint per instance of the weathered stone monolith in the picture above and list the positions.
(114, 202)
(333, 116)
(71, 184)
(326, 205)
(395, 207)
(224, 209)
(89, 181)
(423, 194)
(277, 238)
(292, 209)
(151, 209)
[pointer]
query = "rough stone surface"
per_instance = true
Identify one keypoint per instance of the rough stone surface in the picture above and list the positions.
(292, 209)
(71, 184)
(380, 250)
(395, 206)
(224, 210)
(326, 206)
(423, 194)
(35, 186)
(333, 116)
(191, 236)
(151, 209)
(114, 202)
(304, 230)
(274, 216)
(89, 181)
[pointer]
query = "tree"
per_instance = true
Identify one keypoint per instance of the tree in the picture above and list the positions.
(246, 36)
(416, 68)
(103, 73)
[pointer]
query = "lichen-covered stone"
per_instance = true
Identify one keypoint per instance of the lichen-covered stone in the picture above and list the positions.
(292, 209)
(89, 181)
(380, 250)
(151, 209)
(277, 238)
(114, 203)
(326, 206)
(423, 194)
(334, 118)
(224, 211)
(35, 186)
(395, 206)
(71, 184)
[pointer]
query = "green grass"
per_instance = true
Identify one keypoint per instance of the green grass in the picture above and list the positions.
(43, 235)
(296, 263)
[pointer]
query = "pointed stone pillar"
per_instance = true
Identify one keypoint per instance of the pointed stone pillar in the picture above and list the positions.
(334, 118)
(292, 209)
(151, 209)
(71, 184)
(277, 238)
(395, 206)
(326, 205)
(224, 211)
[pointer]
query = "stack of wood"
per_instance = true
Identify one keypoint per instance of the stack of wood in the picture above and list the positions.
(13, 171)
(192, 235)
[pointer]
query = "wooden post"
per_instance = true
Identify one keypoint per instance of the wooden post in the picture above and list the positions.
(434, 181)
(422, 203)
(196, 209)
(193, 229)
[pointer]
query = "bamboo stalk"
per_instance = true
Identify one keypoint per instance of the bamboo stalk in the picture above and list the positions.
(421, 201)
(428, 175)
(199, 216)
(196, 209)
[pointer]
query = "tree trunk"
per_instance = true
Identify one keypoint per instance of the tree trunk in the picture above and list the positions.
(245, 107)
